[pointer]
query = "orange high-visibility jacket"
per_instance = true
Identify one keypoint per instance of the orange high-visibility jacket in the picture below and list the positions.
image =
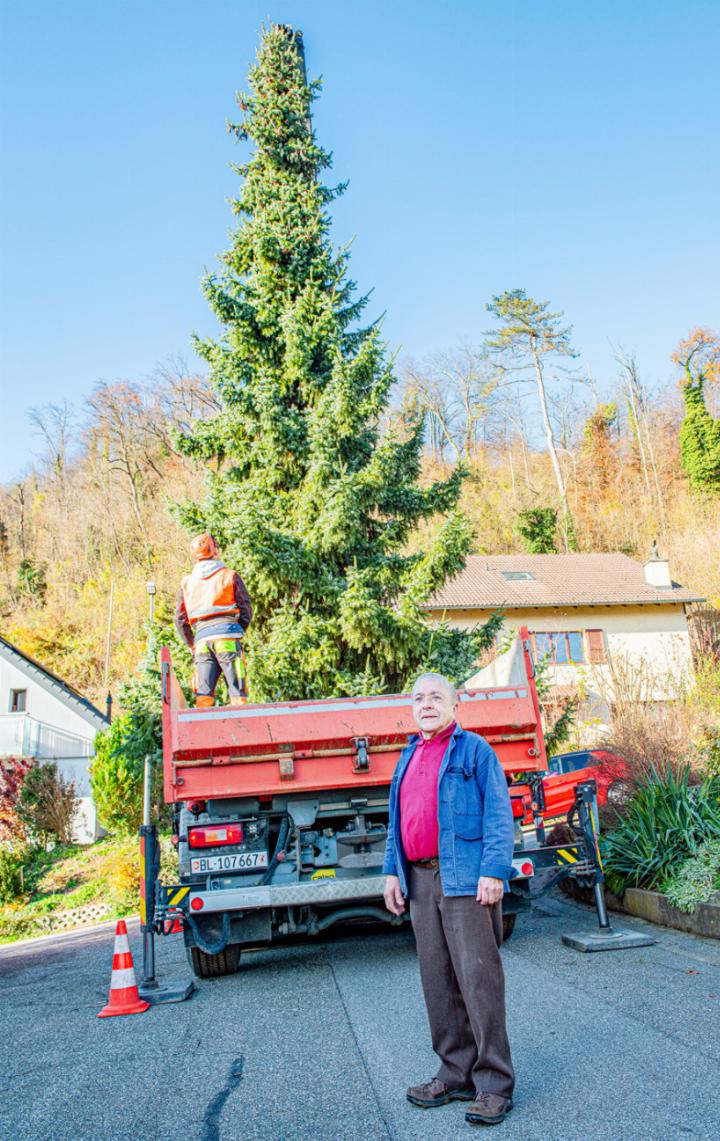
(211, 595)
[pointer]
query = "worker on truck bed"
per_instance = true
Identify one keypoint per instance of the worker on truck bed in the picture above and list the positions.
(449, 852)
(212, 614)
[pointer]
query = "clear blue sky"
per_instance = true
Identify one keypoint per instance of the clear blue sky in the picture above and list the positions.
(568, 148)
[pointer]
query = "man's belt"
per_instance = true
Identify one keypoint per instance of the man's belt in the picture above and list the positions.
(430, 863)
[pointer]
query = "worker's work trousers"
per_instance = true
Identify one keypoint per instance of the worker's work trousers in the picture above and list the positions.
(224, 655)
(458, 941)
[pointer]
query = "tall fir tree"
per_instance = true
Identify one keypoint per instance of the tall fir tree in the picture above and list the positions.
(306, 495)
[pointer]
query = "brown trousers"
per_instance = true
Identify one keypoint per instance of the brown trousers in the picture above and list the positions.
(462, 976)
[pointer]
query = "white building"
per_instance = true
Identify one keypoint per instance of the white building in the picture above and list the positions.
(601, 621)
(43, 718)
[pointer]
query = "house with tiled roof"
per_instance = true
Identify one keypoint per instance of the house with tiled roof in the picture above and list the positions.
(44, 719)
(597, 620)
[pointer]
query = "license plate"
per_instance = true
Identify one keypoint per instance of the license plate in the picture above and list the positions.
(232, 862)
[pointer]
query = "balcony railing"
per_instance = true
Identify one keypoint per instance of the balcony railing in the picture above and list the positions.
(24, 736)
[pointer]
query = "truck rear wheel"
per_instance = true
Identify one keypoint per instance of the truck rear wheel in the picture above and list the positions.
(214, 966)
(508, 924)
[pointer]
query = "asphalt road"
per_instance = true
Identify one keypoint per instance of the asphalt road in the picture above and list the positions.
(319, 1042)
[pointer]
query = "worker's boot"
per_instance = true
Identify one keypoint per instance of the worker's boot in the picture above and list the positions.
(238, 700)
(204, 701)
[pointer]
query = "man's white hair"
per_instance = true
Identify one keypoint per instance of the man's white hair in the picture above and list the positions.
(442, 681)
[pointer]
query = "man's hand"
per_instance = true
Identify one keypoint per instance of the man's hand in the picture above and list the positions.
(489, 890)
(393, 896)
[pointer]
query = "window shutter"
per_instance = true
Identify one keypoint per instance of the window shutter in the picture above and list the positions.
(596, 646)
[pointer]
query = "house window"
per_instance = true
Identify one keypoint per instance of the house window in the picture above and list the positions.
(517, 576)
(561, 647)
(18, 700)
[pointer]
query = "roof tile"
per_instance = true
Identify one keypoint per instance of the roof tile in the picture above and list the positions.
(558, 580)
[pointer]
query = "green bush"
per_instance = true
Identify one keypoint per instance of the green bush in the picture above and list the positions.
(665, 823)
(696, 879)
(11, 880)
(47, 804)
(116, 773)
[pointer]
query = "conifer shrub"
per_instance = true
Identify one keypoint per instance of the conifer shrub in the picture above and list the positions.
(117, 770)
(537, 527)
(116, 776)
(32, 579)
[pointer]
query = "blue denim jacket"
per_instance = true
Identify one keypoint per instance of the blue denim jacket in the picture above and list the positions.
(474, 816)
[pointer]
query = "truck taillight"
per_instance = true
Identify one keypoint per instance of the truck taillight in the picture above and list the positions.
(215, 837)
(523, 868)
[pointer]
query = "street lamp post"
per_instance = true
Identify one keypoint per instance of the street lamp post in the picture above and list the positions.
(152, 591)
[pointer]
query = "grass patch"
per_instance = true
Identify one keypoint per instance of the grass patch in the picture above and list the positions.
(74, 886)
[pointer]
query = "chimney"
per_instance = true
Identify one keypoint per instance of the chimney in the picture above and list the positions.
(657, 570)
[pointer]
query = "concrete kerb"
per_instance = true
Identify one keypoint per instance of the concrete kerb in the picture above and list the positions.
(653, 906)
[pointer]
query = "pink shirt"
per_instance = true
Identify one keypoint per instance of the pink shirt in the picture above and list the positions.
(419, 797)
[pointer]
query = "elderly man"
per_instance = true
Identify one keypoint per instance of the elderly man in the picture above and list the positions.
(449, 851)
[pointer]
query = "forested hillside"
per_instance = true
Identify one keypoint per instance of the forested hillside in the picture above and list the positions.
(93, 510)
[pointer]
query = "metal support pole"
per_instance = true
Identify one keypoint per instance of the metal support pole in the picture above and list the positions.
(537, 792)
(150, 989)
(152, 591)
(587, 810)
(606, 939)
(150, 865)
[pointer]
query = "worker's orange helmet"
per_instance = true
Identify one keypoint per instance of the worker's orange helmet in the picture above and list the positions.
(203, 547)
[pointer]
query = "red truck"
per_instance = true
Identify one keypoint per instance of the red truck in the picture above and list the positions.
(280, 812)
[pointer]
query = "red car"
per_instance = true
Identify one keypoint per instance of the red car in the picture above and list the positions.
(566, 771)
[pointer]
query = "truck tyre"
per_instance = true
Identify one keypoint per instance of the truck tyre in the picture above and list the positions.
(508, 924)
(214, 966)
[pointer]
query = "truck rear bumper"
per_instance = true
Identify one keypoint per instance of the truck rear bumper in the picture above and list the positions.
(287, 895)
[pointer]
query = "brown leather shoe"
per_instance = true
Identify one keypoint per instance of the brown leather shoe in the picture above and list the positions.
(437, 1093)
(488, 1109)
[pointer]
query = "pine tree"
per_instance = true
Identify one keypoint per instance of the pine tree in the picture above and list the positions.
(307, 497)
(527, 337)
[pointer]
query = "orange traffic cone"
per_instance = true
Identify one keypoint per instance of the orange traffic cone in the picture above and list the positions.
(124, 997)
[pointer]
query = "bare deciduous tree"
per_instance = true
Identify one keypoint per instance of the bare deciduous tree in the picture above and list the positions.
(455, 390)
